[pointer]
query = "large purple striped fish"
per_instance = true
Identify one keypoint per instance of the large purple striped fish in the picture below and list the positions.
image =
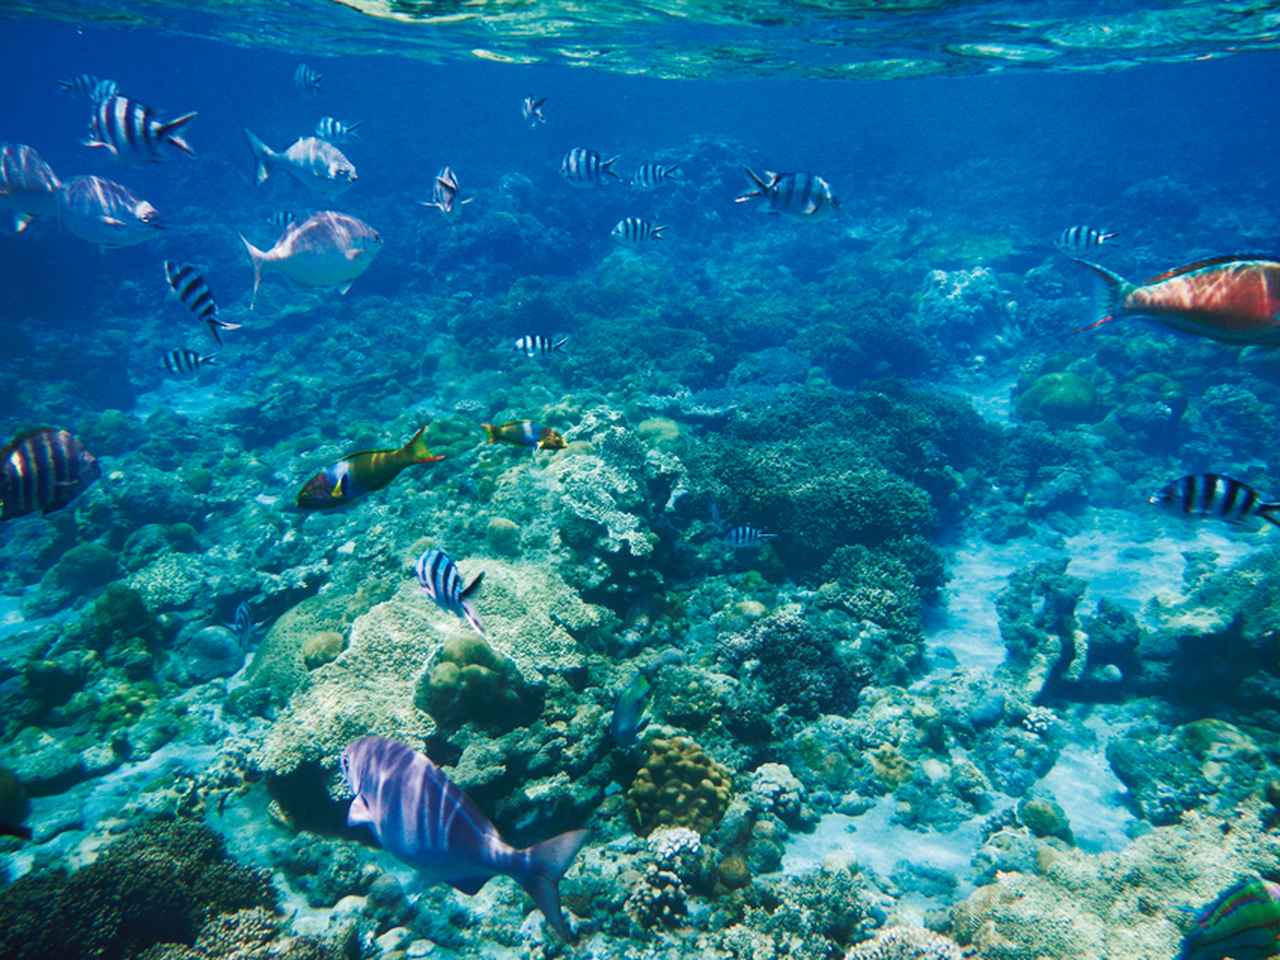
(1243, 922)
(43, 470)
(417, 813)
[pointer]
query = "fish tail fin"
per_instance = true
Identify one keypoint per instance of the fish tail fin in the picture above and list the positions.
(607, 166)
(1110, 292)
(211, 358)
(548, 862)
(258, 259)
(352, 127)
(262, 153)
(559, 344)
(1269, 511)
(418, 449)
(761, 187)
(168, 131)
(657, 231)
(20, 222)
(490, 432)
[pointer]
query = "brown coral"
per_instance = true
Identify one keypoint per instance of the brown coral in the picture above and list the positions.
(679, 786)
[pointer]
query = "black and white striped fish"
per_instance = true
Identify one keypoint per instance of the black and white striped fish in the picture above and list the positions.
(244, 626)
(131, 130)
(444, 192)
(92, 88)
(635, 230)
(535, 343)
(1211, 494)
(282, 218)
(531, 110)
(440, 580)
(306, 81)
(746, 536)
(43, 470)
(1082, 239)
(183, 362)
(650, 176)
(335, 131)
(800, 194)
(586, 168)
(193, 292)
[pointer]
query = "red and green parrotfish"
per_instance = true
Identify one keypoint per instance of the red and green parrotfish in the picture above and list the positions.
(1234, 299)
(524, 433)
(1242, 923)
(359, 473)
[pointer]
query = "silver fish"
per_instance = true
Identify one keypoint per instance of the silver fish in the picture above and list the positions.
(800, 194)
(421, 816)
(130, 130)
(444, 192)
(28, 185)
(328, 249)
(105, 212)
(314, 163)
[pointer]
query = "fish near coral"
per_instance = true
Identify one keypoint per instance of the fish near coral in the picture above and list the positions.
(629, 713)
(44, 470)
(524, 433)
(364, 472)
(1242, 922)
(328, 249)
(421, 816)
(1232, 299)
(440, 580)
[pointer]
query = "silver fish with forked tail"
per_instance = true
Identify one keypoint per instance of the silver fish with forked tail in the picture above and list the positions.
(328, 249)
(417, 813)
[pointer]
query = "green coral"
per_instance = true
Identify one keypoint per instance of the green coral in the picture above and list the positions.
(678, 786)
(469, 682)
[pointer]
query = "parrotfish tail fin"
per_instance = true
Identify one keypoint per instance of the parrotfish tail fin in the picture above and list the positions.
(559, 344)
(490, 432)
(657, 231)
(548, 862)
(1110, 292)
(257, 258)
(262, 153)
(1269, 511)
(469, 612)
(168, 131)
(607, 167)
(418, 449)
(474, 585)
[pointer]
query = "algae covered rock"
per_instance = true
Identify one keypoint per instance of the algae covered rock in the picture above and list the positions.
(468, 682)
(678, 786)
(77, 574)
(321, 648)
(1060, 399)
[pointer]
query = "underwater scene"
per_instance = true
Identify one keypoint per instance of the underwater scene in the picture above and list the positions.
(638, 481)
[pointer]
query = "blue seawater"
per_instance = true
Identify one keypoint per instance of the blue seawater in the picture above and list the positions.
(928, 671)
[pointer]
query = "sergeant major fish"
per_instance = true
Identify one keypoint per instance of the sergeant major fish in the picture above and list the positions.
(748, 537)
(444, 192)
(1232, 299)
(244, 626)
(189, 287)
(418, 814)
(586, 168)
(183, 362)
(130, 130)
(650, 176)
(1082, 239)
(363, 472)
(44, 470)
(90, 87)
(105, 212)
(635, 230)
(328, 249)
(531, 110)
(335, 131)
(533, 344)
(314, 163)
(440, 580)
(1242, 922)
(306, 81)
(1211, 494)
(524, 433)
(800, 194)
(28, 185)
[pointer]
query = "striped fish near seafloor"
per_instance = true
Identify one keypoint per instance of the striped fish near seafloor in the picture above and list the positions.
(746, 536)
(440, 580)
(636, 230)
(186, 283)
(1242, 922)
(1211, 494)
(44, 470)
(583, 167)
(800, 194)
(1082, 239)
(131, 130)
(650, 176)
(535, 343)
(422, 817)
(184, 362)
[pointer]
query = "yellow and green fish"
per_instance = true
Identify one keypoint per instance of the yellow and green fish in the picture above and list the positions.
(359, 473)
(524, 433)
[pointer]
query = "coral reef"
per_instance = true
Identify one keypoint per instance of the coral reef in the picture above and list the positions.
(679, 785)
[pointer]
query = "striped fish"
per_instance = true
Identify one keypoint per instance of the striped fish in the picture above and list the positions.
(1082, 239)
(635, 230)
(747, 536)
(306, 81)
(534, 344)
(193, 293)
(90, 87)
(418, 814)
(131, 130)
(439, 578)
(585, 168)
(244, 626)
(183, 362)
(282, 218)
(44, 470)
(444, 192)
(1211, 494)
(531, 110)
(650, 176)
(1242, 922)
(800, 194)
(335, 131)
(28, 185)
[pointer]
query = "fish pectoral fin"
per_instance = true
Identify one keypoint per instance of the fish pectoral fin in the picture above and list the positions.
(344, 288)
(359, 814)
(468, 885)
(112, 221)
(20, 221)
(810, 208)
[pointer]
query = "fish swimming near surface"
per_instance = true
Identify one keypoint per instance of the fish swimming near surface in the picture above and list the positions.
(635, 230)
(1242, 922)
(306, 81)
(92, 88)
(629, 711)
(243, 626)
(586, 168)
(444, 192)
(650, 176)
(183, 362)
(335, 131)
(1232, 299)
(800, 194)
(1213, 495)
(314, 163)
(104, 212)
(1082, 239)
(440, 580)
(363, 472)
(44, 470)
(533, 344)
(422, 817)
(531, 110)
(28, 185)
(328, 249)
(131, 130)
(191, 290)
(747, 537)
(524, 433)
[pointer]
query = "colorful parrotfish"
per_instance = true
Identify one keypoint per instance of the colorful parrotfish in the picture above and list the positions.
(1242, 923)
(359, 473)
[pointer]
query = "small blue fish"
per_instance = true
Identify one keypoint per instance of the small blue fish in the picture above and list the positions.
(439, 578)
(417, 813)
(244, 626)
(629, 711)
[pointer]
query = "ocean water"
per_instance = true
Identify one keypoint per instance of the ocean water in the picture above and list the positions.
(925, 671)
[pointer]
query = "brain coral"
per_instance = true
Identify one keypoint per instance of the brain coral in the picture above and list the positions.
(679, 786)
(468, 682)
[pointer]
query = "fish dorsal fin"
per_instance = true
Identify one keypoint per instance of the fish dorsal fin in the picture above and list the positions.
(359, 814)
(1212, 262)
(473, 586)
